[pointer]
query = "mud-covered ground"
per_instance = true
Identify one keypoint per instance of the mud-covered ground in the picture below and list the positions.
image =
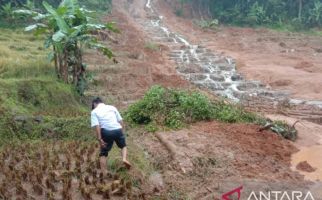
(285, 61)
(213, 158)
(139, 63)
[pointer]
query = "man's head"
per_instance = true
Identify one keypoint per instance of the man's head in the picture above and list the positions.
(95, 102)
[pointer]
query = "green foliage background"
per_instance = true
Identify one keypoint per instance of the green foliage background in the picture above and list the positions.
(38, 3)
(9, 20)
(298, 14)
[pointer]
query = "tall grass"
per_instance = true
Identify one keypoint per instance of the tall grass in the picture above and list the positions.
(29, 88)
(23, 55)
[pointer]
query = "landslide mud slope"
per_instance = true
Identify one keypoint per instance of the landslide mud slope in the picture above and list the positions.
(213, 158)
(285, 61)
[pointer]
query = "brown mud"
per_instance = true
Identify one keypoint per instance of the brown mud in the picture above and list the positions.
(212, 158)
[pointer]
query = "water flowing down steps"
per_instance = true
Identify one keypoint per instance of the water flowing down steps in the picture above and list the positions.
(218, 73)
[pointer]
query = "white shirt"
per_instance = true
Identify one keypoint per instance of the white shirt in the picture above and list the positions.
(106, 116)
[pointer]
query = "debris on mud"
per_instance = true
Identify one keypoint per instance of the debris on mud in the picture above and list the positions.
(305, 167)
(215, 155)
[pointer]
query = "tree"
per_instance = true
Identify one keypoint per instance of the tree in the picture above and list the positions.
(297, 13)
(6, 11)
(315, 14)
(68, 29)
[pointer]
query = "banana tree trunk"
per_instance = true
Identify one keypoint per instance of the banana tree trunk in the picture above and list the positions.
(56, 62)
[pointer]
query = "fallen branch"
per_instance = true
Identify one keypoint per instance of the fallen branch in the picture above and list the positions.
(297, 121)
(169, 145)
(266, 127)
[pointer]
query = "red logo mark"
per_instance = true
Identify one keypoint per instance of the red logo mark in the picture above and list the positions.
(228, 194)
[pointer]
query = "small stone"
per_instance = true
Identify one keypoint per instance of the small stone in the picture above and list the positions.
(216, 77)
(214, 86)
(225, 67)
(236, 77)
(197, 77)
(192, 68)
(247, 86)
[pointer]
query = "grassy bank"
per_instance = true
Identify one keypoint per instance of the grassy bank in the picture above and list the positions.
(38, 112)
(32, 102)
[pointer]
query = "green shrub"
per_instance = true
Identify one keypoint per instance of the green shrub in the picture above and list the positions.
(207, 24)
(174, 109)
(257, 15)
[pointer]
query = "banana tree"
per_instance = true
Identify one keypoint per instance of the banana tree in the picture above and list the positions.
(68, 30)
(6, 11)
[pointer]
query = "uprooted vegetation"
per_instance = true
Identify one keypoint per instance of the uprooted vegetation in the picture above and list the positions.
(173, 108)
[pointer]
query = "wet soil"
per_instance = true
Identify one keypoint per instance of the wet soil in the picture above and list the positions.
(305, 166)
(214, 158)
(283, 60)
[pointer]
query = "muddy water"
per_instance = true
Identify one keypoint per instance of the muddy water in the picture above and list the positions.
(313, 155)
(309, 143)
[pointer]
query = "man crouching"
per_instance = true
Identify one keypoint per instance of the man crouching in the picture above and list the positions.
(109, 125)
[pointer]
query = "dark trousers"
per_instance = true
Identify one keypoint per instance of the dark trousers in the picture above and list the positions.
(109, 136)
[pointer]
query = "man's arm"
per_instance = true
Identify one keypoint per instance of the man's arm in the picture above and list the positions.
(99, 135)
(122, 124)
(98, 132)
(95, 123)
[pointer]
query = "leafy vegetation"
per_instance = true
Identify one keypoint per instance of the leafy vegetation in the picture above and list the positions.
(207, 24)
(299, 14)
(41, 116)
(68, 29)
(33, 104)
(174, 109)
(31, 4)
(102, 5)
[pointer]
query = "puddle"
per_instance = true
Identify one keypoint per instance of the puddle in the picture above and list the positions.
(313, 155)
